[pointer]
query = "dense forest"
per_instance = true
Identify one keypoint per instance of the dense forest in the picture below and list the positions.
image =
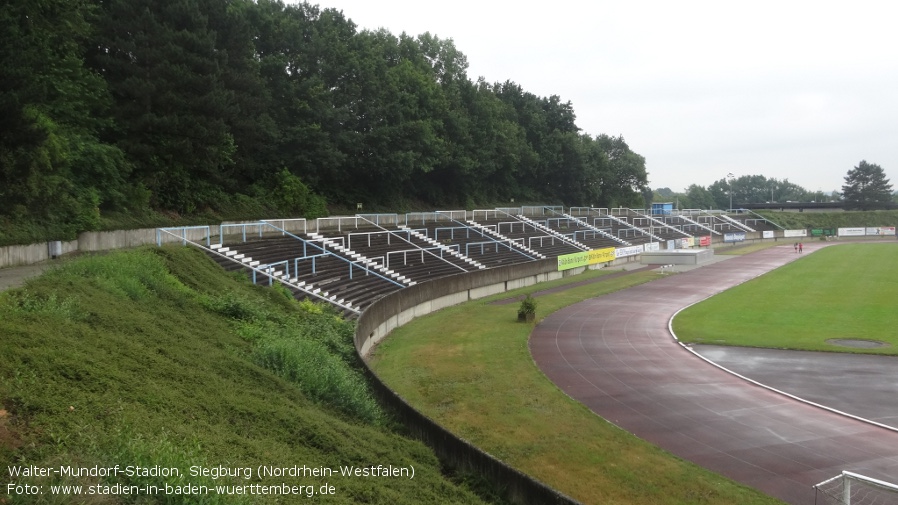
(185, 107)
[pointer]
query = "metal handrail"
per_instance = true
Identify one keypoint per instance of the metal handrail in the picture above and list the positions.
(183, 236)
(261, 271)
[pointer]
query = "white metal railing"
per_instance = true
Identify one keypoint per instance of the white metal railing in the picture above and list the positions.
(338, 222)
(486, 214)
(298, 224)
(184, 232)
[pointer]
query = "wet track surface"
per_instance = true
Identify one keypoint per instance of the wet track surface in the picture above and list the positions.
(862, 385)
(616, 355)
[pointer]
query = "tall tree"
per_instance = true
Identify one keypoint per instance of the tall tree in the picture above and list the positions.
(627, 175)
(697, 197)
(866, 187)
(236, 24)
(165, 74)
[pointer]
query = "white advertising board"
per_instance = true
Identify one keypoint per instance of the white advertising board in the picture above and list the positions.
(852, 232)
(881, 231)
(620, 252)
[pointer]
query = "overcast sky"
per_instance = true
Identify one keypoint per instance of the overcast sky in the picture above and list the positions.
(795, 90)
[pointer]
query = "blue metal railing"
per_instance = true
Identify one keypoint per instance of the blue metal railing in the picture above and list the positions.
(492, 239)
(270, 269)
(325, 252)
(421, 251)
(264, 270)
(223, 228)
(408, 239)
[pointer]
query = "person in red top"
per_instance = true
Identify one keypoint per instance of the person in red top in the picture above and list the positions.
(800, 247)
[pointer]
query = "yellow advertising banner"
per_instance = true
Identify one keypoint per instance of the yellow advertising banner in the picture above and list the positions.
(569, 261)
(601, 255)
(582, 259)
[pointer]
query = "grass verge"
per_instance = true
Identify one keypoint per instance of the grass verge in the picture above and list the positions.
(469, 368)
(844, 291)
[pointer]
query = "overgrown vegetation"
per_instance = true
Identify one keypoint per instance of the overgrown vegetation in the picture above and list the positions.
(156, 358)
(832, 220)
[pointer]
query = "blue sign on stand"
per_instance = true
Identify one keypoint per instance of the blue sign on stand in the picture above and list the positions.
(734, 237)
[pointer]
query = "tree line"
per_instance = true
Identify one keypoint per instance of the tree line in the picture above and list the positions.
(188, 106)
(866, 188)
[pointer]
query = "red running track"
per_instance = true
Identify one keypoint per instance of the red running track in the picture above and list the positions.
(616, 355)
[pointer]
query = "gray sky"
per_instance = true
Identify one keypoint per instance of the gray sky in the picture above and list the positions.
(797, 90)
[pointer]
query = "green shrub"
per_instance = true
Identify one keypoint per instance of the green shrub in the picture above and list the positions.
(320, 375)
(527, 309)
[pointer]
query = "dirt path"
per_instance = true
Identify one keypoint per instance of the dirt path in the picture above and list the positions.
(13, 277)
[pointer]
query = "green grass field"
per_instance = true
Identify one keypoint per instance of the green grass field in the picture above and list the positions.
(842, 291)
(469, 368)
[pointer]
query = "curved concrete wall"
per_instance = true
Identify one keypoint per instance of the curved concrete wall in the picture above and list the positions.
(400, 307)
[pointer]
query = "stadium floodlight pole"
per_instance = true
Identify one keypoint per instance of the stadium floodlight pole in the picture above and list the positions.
(730, 178)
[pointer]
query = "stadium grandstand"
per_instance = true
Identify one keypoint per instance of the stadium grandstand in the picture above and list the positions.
(351, 261)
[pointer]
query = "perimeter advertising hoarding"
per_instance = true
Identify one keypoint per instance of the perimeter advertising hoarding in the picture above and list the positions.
(704, 241)
(734, 237)
(652, 246)
(620, 252)
(852, 232)
(795, 233)
(586, 258)
(767, 234)
(881, 231)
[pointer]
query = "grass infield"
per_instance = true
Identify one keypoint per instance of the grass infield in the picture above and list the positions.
(839, 292)
(469, 368)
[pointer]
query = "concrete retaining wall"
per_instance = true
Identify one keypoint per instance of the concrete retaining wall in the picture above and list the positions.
(402, 306)
(23, 254)
(93, 241)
